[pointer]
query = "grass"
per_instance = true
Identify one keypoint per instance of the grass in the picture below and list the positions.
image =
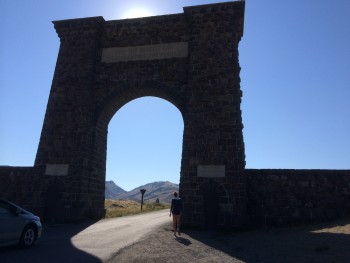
(118, 208)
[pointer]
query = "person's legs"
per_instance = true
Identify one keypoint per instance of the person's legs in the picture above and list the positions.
(178, 224)
(174, 223)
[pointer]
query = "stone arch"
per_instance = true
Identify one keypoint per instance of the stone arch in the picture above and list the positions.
(131, 90)
(189, 59)
(116, 100)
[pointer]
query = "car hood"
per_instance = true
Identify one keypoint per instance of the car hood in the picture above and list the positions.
(28, 215)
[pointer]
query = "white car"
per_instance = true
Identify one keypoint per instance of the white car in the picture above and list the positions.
(18, 226)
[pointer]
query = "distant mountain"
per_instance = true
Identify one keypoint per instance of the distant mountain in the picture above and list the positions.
(112, 190)
(162, 190)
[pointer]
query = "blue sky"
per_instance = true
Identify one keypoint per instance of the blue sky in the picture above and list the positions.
(295, 59)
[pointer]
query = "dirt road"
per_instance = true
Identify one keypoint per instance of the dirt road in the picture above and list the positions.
(93, 242)
(106, 237)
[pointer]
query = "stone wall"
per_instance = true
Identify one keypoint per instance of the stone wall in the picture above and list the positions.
(274, 197)
(53, 198)
(285, 197)
(16, 184)
(20, 185)
(215, 203)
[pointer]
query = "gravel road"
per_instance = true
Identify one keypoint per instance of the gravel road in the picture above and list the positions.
(106, 237)
(95, 242)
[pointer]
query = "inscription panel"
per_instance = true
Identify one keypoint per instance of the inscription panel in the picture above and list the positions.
(213, 171)
(57, 169)
(226, 207)
(147, 52)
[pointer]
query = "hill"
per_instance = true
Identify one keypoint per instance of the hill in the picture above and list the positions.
(162, 190)
(113, 190)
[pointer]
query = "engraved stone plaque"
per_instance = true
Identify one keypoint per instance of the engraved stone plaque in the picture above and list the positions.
(226, 208)
(213, 171)
(57, 169)
(147, 52)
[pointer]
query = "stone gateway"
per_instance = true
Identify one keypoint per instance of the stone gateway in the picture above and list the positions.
(191, 60)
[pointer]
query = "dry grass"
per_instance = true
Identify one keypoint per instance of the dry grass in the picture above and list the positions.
(118, 208)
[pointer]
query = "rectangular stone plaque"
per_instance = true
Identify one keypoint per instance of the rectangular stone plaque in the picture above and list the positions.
(57, 169)
(226, 207)
(147, 52)
(213, 171)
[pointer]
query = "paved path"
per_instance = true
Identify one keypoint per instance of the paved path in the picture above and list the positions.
(107, 237)
(96, 242)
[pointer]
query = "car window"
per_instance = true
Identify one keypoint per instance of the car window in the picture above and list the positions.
(6, 209)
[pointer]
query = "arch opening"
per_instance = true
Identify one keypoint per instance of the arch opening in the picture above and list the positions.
(144, 145)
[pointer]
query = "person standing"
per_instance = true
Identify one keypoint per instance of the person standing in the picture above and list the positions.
(176, 211)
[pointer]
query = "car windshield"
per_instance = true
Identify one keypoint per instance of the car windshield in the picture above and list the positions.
(8, 207)
(13, 208)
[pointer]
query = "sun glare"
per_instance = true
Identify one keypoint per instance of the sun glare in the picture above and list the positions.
(137, 12)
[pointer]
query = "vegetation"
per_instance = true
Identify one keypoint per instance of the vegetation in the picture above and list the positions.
(118, 208)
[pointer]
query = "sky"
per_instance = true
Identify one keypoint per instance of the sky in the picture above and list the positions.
(295, 78)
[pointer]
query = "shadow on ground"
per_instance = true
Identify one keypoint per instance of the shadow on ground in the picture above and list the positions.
(316, 243)
(54, 246)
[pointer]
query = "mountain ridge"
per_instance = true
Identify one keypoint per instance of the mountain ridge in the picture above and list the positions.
(162, 190)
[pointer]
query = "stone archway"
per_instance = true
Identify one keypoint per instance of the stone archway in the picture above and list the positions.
(189, 59)
(117, 99)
